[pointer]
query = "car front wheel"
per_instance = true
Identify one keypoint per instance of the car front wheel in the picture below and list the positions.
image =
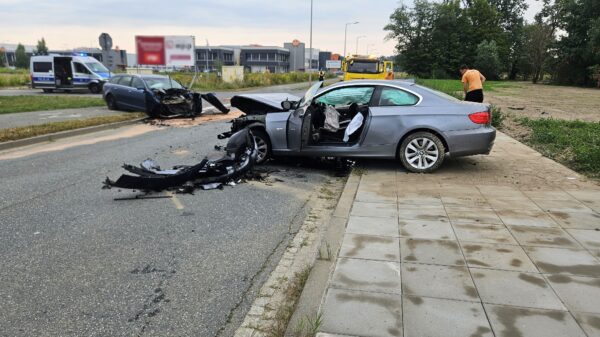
(263, 145)
(422, 152)
(111, 102)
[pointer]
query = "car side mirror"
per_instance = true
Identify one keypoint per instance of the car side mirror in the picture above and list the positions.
(286, 105)
(141, 88)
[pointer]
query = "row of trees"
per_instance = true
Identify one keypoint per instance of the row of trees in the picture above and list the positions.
(435, 38)
(21, 57)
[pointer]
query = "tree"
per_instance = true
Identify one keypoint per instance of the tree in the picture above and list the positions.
(538, 37)
(576, 50)
(2, 57)
(41, 48)
(412, 28)
(487, 60)
(510, 15)
(21, 58)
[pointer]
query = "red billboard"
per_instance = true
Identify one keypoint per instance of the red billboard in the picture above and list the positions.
(150, 50)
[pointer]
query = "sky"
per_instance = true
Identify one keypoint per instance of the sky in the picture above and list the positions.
(67, 24)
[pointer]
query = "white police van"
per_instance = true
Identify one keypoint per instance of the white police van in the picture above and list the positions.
(67, 73)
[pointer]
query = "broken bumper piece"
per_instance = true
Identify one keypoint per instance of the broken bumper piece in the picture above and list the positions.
(240, 156)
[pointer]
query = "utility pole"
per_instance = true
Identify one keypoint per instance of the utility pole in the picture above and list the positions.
(346, 35)
(358, 38)
(207, 50)
(311, 46)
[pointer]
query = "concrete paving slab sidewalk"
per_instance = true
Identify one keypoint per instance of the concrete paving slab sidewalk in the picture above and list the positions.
(499, 245)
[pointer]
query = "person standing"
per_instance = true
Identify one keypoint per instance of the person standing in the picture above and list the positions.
(472, 81)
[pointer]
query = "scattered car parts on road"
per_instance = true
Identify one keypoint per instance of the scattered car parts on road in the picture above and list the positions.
(240, 156)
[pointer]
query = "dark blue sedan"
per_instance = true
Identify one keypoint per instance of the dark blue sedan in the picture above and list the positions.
(158, 96)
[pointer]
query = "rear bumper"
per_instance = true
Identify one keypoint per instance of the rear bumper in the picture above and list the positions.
(471, 142)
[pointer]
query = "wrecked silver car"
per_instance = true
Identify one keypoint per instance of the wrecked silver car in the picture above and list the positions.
(158, 96)
(367, 119)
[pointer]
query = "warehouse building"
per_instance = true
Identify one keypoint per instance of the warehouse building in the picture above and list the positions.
(297, 54)
(258, 59)
(212, 57)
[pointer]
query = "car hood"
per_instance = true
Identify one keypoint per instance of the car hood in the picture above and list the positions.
(260, 104)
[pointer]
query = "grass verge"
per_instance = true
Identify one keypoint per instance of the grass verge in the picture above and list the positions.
(212, 82)
(8, 79)
(11, 104)
(44, 129)
(450, 87)
(284, 313)
(575, 144)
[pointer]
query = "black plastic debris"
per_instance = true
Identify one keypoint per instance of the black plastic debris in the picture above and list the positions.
(240, 155)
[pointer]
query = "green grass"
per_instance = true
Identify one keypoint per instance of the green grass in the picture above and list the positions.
(44, 129)
(13, 79)
(212, 82)
(10, 104)
(4, 70)
(575, 144)
(450, 87)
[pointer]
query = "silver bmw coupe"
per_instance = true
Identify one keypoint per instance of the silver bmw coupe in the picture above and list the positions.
(367, 119)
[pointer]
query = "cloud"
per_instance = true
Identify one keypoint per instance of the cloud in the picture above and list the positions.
(70, 23)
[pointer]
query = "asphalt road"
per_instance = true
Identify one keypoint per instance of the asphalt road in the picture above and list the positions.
(75, 262)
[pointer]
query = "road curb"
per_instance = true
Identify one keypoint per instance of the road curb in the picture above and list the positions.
(310, 301)
(271, 310)
(64, 134)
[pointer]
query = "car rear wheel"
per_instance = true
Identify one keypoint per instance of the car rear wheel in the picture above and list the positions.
(94, 88)
(263, 145)
(111, 102)
(422, 152)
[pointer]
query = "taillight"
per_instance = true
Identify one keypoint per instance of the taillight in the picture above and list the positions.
(482, 117)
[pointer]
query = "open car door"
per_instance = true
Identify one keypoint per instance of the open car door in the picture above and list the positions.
(296, 121)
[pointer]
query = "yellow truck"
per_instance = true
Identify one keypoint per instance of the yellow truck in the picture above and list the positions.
(359, 67)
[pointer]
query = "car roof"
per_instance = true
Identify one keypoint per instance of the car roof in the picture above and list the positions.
(429, 95)
(144, 76)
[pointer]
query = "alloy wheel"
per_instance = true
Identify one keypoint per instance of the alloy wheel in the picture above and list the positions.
(421, 153)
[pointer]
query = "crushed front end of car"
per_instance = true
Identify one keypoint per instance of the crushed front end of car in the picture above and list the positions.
(179, 103)
(255, 107)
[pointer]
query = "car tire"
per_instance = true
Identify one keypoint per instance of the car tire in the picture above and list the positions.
(48, 90)
(422, 152)
(94, 88)
(263, 144)
(111, 102)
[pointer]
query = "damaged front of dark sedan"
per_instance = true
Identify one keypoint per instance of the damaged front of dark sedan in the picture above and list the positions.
(158, 96)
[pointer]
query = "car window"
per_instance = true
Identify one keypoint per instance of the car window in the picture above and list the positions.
(137, 83)
(125, 80)
(396, 97)
(114, 79)
(42, 67)
(80, 68)
(347, 96)
(158, 83)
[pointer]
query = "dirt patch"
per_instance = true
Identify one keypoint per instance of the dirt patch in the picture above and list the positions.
(544, 101)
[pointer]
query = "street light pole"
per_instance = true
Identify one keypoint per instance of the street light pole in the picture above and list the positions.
(346, 35)
(368, 45)
(358, 38)
(311, 47)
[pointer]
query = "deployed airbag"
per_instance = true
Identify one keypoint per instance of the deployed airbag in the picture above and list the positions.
(354, 125)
